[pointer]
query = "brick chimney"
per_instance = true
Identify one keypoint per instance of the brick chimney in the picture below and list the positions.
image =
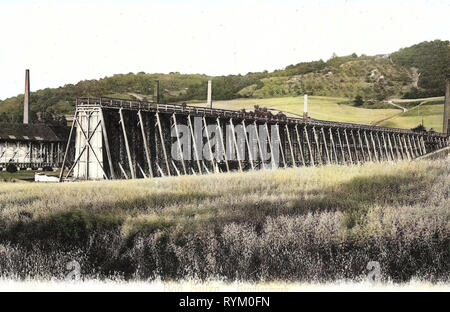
(26, 98)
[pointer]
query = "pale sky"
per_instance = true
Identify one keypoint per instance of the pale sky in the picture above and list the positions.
(67, 41)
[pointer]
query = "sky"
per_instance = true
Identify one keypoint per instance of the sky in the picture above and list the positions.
(65, 42)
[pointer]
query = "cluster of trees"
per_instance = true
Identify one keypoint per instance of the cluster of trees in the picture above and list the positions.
(432, 59)
(331, 77)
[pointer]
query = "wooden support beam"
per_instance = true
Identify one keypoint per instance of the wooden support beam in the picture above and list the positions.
(282, 147)
(355, 147)
(175, 167)
(412, 151)
(362, 147)
(423, 145)
(105, 139)
(180, 150)
(348, 146)
(390, 147)
(213, 164)
(290, 145)
(386, 151)
(320, 160)
(223, 144)
(161, 136)
(146, 146)
(325, 143)
(194, 143)
(333, 146)
(375, 152)
(249, 150)
(67, 146)
(400, 144)
(127, 146)
(272, 158)
(160, 170)
(311, 157)
(403, 140)
(235, 145)
(259, 145)
(300, 146)
(123, 171)
(367, 145)
(142, 171)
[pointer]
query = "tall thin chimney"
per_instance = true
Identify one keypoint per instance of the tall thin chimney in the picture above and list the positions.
(209, 93)
(447, 108)
(26, 98)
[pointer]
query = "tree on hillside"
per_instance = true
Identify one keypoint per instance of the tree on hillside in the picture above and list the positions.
(358, 101)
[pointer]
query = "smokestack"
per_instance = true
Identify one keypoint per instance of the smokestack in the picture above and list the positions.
(447, 108)
(209, 94)
(26, 98)
(305, 106)
(156, 92)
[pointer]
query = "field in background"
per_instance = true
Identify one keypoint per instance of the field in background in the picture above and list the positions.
(431, 114)
(319, 107)
(305, 224)
(333, 109)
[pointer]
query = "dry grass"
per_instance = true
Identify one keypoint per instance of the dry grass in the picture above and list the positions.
(296, 224)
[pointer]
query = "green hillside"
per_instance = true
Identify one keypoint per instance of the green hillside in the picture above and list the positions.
(319, 107)
(410, 72)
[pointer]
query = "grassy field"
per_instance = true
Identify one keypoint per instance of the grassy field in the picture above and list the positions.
(432, 116)
(320, 224)
(320, 107)
(329, 108)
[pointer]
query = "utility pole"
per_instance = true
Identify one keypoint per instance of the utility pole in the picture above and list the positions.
(447, 108)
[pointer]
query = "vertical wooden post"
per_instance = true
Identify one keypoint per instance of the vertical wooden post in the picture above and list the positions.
(194, 143)
(326, 145)
(68, 145)
(270, 145)
(158, 122)
(282, 147)
(259, 145)
(317, 146)
(408, 154)
(180, 150)
(355, 147)
(223, 145)
(348, 146)
(249, 149)
(300, 145)
(367, 145)
(209, 145)
(290, 145)
(361, 146)
(333, 146)
(374, 146)
(235, 145)
(130, 161)
(105, 139)
(386, 152)
(309, 147)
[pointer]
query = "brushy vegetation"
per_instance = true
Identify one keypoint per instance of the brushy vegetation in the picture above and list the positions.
(304, 224)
